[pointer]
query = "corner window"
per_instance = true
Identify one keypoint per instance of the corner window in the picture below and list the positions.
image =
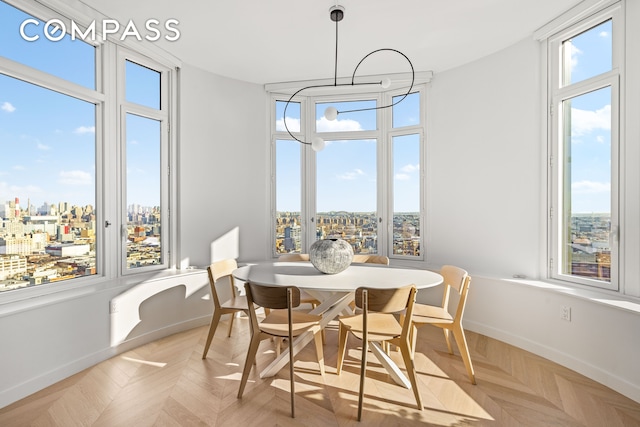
(364, 187)
(82, 169)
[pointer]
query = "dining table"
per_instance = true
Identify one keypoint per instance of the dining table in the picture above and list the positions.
(336, 292)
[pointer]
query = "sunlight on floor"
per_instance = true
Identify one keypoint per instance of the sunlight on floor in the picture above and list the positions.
(145, 362)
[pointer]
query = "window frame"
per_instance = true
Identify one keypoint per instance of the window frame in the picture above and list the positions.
(384, 161)
(162, 115)
(111, 106)
(557, 93)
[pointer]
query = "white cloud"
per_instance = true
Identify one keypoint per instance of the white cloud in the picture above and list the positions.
(75, 178)
(590, 187)
(351, 175)
(575, 52)
(604, 34)
(402, 177)
(292, 124)
(6, 106)
(43, 147)
(18, 168)
(585, 121)
(8, 192)
(85, 129)
(410, 168)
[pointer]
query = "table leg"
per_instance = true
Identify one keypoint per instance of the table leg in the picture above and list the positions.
(394, 371)
(330, 308)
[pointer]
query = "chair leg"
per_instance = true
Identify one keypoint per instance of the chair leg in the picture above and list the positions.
(461, 340)
(413, 336)
(215, 319)
(249, 361)
(233, 316)
(292, 379)
(319, 349)
(447, 338)
(342, 345)
(363, 374)
(409, 364)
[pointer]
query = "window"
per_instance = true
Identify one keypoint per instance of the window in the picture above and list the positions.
(82, 169)
(585, 74)
(145, 164)
(363, 187)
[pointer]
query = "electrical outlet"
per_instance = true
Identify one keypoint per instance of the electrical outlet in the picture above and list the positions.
(113, 307)
(565, 313)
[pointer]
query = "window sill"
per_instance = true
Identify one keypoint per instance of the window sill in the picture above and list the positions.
(604, 297)
(19, 300)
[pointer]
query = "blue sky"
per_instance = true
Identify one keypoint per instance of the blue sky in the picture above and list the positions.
(591, 124)
(347, 169)
(48, 140)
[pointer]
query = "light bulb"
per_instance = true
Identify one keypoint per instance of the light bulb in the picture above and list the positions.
(385, 82)
(317, 144)
(331, 113)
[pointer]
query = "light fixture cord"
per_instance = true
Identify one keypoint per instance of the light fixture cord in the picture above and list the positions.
(335, 72)
(353, 83)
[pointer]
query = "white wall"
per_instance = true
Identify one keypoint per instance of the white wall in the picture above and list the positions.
(223, 150)
(484, 154)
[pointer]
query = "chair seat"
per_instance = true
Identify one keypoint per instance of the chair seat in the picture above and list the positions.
(424, 313)
(277, 322)
(237, 303)
(382, 326)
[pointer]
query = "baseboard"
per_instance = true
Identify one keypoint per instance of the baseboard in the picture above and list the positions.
(622, 386)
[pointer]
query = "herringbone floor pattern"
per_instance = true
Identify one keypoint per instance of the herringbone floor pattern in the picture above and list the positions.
(166, 383)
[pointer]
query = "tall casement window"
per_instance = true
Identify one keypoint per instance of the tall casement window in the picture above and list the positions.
(585, 66)
(84, 165)
(363, 187)
(145, 126)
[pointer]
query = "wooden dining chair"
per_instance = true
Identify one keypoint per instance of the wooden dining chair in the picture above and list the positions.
(370, 259)
(378, 322)
(458, 279)
(237, 303)
(281, 322)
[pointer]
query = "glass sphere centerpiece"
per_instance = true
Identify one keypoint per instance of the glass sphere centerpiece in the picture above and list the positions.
(331, 256)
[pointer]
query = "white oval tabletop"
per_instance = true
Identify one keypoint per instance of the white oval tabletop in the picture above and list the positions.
(304, 275)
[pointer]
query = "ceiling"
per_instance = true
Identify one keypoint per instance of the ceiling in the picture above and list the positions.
(268, 41)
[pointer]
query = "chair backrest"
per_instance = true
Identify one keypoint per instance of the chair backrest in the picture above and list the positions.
(218, 270)
(273, 297)
(391, 300)
(293, 257)
(370, 259)
(458, 279)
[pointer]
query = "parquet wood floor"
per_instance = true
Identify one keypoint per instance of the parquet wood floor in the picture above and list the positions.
(166, 383)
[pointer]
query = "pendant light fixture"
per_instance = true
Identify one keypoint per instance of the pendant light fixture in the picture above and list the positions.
(336, 13)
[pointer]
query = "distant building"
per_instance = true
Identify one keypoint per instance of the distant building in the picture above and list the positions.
(12, 266)
(67, 250)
